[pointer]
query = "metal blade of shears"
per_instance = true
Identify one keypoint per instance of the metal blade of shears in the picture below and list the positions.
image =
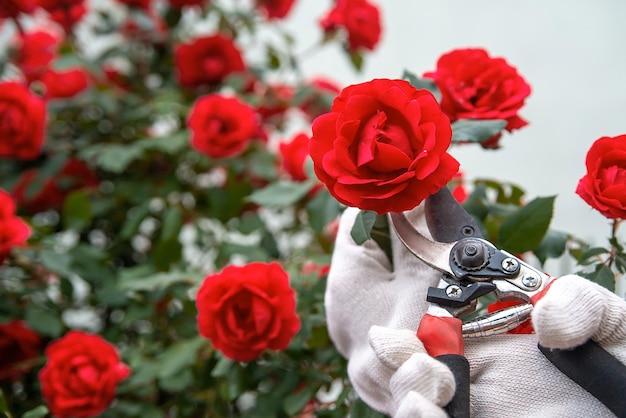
(447, 220)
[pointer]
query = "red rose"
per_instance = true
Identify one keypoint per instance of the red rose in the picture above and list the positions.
(293, 156)
(65, 12)
(81, 375)
(179, 4)
(245, 310)
(275, 9)
(35, 52)
(65, 83)
(604, 185)
(207, 60)
(221, 126)
(13, 230)
(74, 175)
(476, 86)
(383, 146)
(141, 4)
(11, 9)
(359, 18)
(22, 120)
(18, 345)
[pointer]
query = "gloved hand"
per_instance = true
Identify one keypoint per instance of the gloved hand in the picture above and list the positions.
(373, 313)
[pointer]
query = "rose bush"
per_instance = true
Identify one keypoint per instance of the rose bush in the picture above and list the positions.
(603, 187)
(475, 85)
(81, 375)
(383, 146)
(246, 309)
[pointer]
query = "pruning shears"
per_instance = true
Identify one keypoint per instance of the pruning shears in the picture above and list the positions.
(472, 267)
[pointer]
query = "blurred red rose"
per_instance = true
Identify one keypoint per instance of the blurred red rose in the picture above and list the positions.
(245, 310)
(275, 9)
(65, 83)
(603, 187)
(22, 121)
(35, 52)
(318, 97)
(18, 345)
(207, 60)
(360, 19)
(141, 4)
(459, 191)
(476, 86)
(383, 146)
(293, 155)
(81, 375)
(11, 9)
(74, 175)
(221, 126)
(65, 12)
(179, 4)
(13, 230)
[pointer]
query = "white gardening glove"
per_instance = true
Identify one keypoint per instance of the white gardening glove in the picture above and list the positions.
(373, 314)
(509, 375)
(575, 310)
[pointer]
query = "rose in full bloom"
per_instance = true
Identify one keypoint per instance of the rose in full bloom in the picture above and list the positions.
(383, 146)
(359, 18)
(293, 156)
(275, 9)
(18, 345)
(81, 374)
(207, 60)
(13, 230)
(35, 52)
(22, 121)
(63, 84)
(475, 85)
(74, 175)
(221, 126)
(603, 187)
(245, 310)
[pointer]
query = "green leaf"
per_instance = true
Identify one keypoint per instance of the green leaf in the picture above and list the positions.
(158, 280)
(381, 234)
(178, 356)
(602, 275)
(280, 193)
(362, 227)
(361, 410)
(422, 83)
(4, 408)
(77, 212)
(472, 130)
(294, 402)
(524, 229)
(223, 367)
(552, 245)
(56, 261)
(321, 210)
(37, 412)
(134, 217)
(117, 157)
(357, 60)
(590, 255)
(43, 321)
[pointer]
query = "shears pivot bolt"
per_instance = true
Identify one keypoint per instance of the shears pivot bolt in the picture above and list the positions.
(454, 291)
(510, 264)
